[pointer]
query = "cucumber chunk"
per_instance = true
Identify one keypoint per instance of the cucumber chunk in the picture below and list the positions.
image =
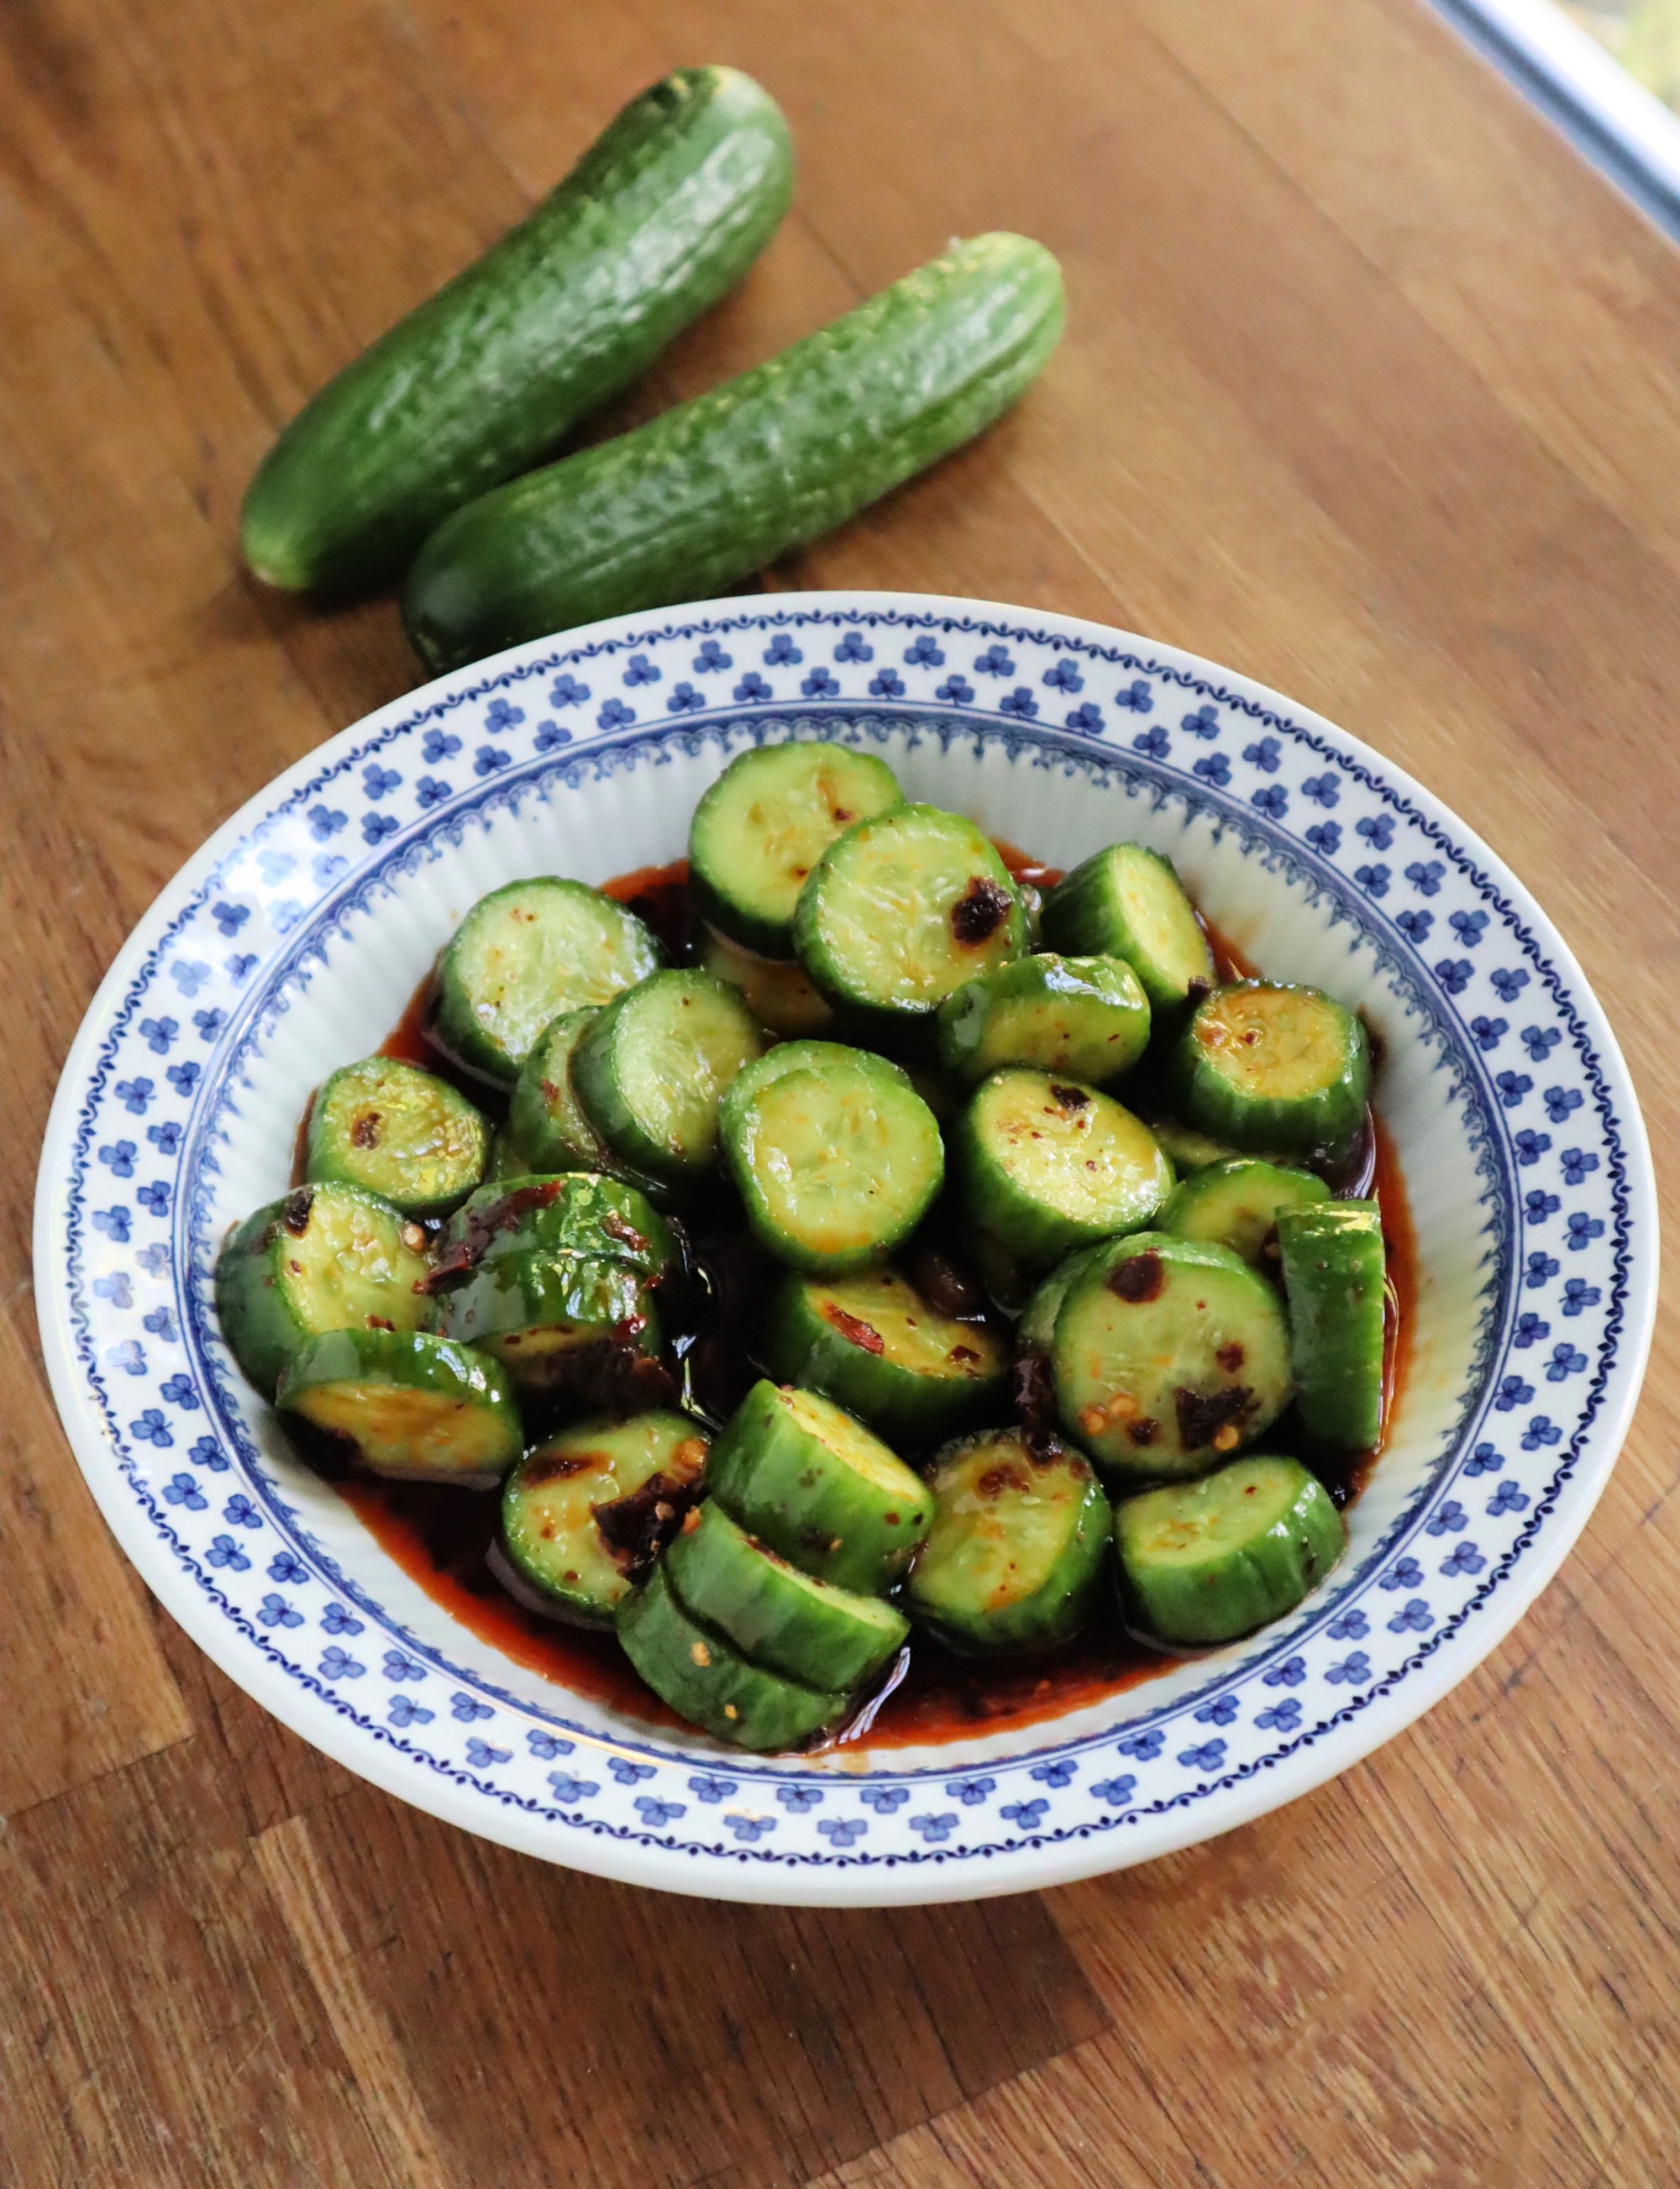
(764, 824)
(1035, 1330)
(1186, 1149)
(900, 911)
(1128, 903)
(703, 1678)
(523, 954)
(1204, 1562)
(1275, 1068)
(779, 991)
(1083, 1018)
(578, 1213)
(788, 1622)
(794, 1469)
(1237, 1204)
(1168, 1355)
(1334, 1279)
(1046, 1165)
(414, 1406)
(653, 1069)
(327, 1258)
(1012, 1559)
(551, 1319)
(399, 1132)
(585, 1511)
(548, 1126)
(875, 1346)
(835, 1154)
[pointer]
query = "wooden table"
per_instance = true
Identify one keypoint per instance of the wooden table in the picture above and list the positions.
(1371, 389)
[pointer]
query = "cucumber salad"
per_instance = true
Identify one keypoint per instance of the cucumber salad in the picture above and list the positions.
(885, 1257)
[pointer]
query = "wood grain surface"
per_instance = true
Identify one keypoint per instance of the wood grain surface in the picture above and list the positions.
(1371, 390)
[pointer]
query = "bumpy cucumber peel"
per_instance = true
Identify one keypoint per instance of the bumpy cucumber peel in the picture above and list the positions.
(663, 214)
(719, 486)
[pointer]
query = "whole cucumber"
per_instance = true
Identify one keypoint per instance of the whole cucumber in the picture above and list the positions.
(719, 486)
(665, 211)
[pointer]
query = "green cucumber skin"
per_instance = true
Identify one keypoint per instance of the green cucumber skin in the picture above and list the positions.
(822, 1636)
(544, 1118)
(457, 1021)
(716, 487)
(715, 892)
(1237, 1204)
(535, 1540)
(813, 1515)
(596, 1075)
(750, 1152)
(1279, 1127)
(661, 216)
(690, 1667)
(1247, 1309)
(1058, 1606)
(905, 1024)
(800, 1346)
(1248, 1587)
(259, 1319)
(578, 1213)
(333, 1158)
(1036, 1233)
(1334, 1273)
(1082, 916)
(1089, 1019)
(1035, 1330)
(586, 1298)
(410, 1361)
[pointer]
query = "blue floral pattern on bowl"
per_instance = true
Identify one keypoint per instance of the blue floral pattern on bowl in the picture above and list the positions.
(160, 1424)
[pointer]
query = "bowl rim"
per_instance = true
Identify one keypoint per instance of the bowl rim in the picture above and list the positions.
(1024, 1867)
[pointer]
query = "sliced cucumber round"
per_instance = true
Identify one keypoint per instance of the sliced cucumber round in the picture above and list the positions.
(901, 910)
(1237, 1204)
(577, 1214)
(1036, 1329)
(1012, 1560)
(800, 1473)
(835, 1154)
(1334, 1277)
(653, 1069)
(1046, 1164)
(704, 1679)
(1128, 903)
(1187, 1149)
(537, 1313)
(764, 824)
(396, 1131)
(1273, 1068)
(523, 954)
(823, 1636)
(1204, 1562)
(875, 1346)
(412, 1406)
(327, 1258)
(587, 1511)
(1083, 1018)
(1168, 1355)
(546, 1123)
(778, 991)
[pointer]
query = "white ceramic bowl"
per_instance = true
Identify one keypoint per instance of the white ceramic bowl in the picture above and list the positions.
(289, 943)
